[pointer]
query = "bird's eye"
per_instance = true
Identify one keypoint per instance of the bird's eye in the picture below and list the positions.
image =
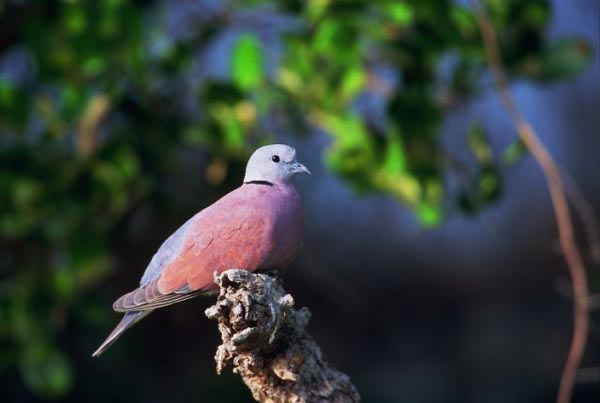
(275, 158)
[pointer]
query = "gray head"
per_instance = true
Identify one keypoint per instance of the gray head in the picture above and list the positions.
(273, 163)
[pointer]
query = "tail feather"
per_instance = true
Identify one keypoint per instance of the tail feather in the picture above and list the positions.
(129, 319)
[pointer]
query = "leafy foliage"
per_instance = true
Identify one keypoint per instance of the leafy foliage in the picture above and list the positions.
(97, 97)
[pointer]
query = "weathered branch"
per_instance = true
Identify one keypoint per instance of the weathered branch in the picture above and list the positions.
(560, 206)
(266, 342)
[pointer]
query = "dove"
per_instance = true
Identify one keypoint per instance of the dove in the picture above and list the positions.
(256, 227)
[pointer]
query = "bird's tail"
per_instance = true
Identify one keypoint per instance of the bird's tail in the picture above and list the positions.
(129, 319)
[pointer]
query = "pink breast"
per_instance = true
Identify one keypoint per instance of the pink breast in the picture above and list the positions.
(287, 233)
(253, 227)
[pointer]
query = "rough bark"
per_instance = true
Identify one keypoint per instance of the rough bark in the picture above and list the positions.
(266, 342)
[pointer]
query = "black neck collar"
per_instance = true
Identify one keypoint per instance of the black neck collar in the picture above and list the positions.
(266, 183)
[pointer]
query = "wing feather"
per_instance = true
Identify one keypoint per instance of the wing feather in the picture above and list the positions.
(168, 251)
(148, 297)
(229, 234)
(231, 237)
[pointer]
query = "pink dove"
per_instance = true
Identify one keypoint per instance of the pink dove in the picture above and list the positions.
(258, 226)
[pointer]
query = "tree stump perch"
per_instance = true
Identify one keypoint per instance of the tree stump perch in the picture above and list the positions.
(266, 342)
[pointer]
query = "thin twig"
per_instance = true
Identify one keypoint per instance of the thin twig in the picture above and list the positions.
(559, 203)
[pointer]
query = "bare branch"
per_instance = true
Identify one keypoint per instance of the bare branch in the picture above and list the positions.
(559, 203)
(266, 342)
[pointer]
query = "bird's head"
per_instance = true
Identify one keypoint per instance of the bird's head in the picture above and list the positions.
(273, 163)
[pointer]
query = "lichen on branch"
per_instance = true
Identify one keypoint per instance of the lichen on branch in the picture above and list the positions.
(266, 342)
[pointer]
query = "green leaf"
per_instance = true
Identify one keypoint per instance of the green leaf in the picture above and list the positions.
(400, 12)
(479, 144)
(536, 14)
(352, 83)
(489, 185)
(513, 153)
(465, 21)
(395, 157)
(6, 93)
(231, 129)
(316, 8)
(325, 38)
(76, 21)
(247, 65)
(25, 191)
(94, 65)
(429, 215)
(404, 187)
(46, 371)
(351, 154)
(348, 129)
(337, 41)
(561, 60)
(63, 283)
(484, 189)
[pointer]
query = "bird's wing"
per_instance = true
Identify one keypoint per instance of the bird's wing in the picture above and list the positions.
(228, 234)
(149, 297)
(237, 239)
(168, 251)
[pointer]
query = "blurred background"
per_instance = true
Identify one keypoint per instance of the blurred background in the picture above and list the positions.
(431, 265)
